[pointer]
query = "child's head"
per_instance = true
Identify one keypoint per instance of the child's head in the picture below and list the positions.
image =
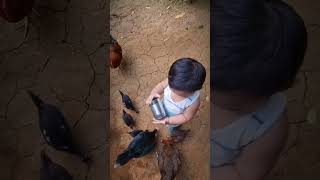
(186, 76)
(256, 50)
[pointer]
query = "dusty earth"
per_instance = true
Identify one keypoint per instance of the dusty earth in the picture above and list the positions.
(63, 62)
(153, 34)
(301, 157)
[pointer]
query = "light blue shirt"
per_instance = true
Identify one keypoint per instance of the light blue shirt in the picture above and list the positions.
(228, 142)
(174, 108)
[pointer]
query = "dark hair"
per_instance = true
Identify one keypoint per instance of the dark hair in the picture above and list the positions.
(186, 74)
(257, 47)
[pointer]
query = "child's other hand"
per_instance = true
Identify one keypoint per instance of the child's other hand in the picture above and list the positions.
(149, 99)
(163, 121)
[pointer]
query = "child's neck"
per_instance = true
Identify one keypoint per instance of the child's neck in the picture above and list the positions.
(227, 108)
(238, 103)
(177, 98)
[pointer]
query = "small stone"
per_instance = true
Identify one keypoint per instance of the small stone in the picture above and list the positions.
(180, 15)
(207, 98)
(312, 116)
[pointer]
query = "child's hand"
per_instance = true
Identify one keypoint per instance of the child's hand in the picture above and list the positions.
(163, 121)
(153, 95)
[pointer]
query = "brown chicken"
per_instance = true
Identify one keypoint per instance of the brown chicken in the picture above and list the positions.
(115, 53)
(168, 160)
(179, 135)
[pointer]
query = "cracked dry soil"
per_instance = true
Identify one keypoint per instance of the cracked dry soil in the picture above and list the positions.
(301, 155)
(62, 61)
(152, 38)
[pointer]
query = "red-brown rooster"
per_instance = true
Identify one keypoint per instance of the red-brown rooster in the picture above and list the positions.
(115, 53)
(168, 160)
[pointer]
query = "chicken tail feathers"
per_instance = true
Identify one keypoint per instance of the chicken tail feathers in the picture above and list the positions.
(36, 100)
(123, 159)
(121, 93)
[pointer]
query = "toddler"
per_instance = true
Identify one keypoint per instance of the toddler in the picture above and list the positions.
(257, 48)
(181, 92)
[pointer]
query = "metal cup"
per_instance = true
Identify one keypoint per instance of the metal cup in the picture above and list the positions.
(157, 109)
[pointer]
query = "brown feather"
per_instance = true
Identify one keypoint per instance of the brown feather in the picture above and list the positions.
(115, 55)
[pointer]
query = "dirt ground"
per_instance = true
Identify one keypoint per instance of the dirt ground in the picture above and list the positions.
(301, 157)
(63, 62)
(153, 34)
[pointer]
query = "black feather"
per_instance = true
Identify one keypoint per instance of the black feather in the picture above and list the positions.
(127, 102)
(128, 119)
(141, 145)
(51, 170)
(36, 100)
(123, 158)
(54, 128)
(134, 133)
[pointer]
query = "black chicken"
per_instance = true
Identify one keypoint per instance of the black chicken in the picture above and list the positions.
(127, 102)
(52, 171)
(142, 144)
(128, 119)
(168, 160)
(54, 128)
(134, 133)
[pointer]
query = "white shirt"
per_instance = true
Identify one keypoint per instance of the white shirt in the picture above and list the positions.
(174, 108)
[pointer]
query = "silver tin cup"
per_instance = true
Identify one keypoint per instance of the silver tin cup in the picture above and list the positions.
(157, 109)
